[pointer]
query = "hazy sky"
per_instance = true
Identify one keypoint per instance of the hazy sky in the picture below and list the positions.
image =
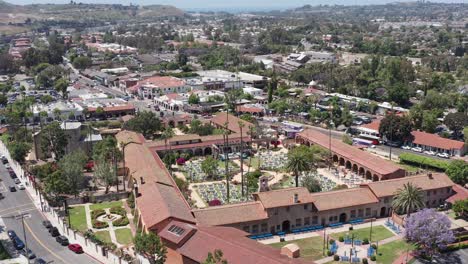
(223, 3)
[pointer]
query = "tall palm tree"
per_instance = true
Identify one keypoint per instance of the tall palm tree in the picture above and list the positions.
(296, 164)
(408, 199)
(241, 126)
(167, 134)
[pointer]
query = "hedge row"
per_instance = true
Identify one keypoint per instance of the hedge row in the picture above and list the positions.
(99, 225)
(423, 161)
(96, 213)
(123, 221)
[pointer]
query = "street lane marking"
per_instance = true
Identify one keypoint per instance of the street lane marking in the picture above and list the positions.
(42, 244)
(16, 207)
(8, 214)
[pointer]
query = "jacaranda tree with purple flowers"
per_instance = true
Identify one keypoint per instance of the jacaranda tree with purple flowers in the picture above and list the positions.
(429, 231)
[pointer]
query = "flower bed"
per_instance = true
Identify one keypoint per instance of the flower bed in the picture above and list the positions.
(99, 225)
(123, 221)
(96, 223)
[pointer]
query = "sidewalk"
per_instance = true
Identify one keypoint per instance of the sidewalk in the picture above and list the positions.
(89, 248)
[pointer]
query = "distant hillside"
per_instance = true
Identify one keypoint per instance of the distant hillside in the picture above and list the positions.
(81, 12)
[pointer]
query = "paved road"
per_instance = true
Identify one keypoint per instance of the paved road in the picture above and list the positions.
(38, 239)
(455, 257)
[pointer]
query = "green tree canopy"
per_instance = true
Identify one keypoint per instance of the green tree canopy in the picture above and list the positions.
(209, 166)
(72, 166)
(145, 123)
(150, 245)
(457, 170)
(395, 128)
(54, 140)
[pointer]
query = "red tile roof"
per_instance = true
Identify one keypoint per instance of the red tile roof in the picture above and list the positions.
(242, 108)
(362, 158)
(282, 197)
(433, 140)
(236, 247)
(374, 125)
(162, 81)
(389, 187)
(461, 194)
(233, 122)
(343, 198)
(229, 214)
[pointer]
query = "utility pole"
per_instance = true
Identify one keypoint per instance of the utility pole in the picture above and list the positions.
(22, 217)
(241, 125)
(391, 132)
(226, 156)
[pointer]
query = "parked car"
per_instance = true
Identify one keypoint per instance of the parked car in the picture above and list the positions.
(75, 248)
(443, 155)
(7, 166)
(62, 240)
(12, 174)
(21, 186)
(11, 234)
(40, 261)
(4, 159)
(429, 152)
(406, 147)
(12, 188)
(17, 181)
(1, 196)
(18, 243)
(46, 224)
(28, 253)
(54, 231)
(417, 149)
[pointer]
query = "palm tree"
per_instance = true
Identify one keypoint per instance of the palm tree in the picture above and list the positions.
(408, 199)
(297, 163)
(242, 125)
(167, 134)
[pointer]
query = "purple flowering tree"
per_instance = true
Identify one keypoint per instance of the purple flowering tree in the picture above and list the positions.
(429, 230)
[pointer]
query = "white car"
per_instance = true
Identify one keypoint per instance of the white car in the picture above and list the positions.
(429, 152)
(7, 166)
(21, 186)
(443, 155)
(417, 149)
(406, 147)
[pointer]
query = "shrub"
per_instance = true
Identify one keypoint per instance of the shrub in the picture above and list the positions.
(96, 213)
(329, 253)
(121, 221)
(99, 225)
(423, 161)
(374, 246)
(365, 241)
(331, 241)
(214, 202)
(118, 210)
(373, 258)
(364, 261)
(341, 239)
(336, 258)
(114, 124)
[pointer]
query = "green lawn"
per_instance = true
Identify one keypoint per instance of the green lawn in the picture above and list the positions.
(378, 233)
(78, 218)
(104, 236)
(105, 205)
(3, 253)
(124, 236)
(253, 164)
(387, 253)
(311, 248)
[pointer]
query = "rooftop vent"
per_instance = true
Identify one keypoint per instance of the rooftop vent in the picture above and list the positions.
(296, 198)
(176, 230)
(429, 175)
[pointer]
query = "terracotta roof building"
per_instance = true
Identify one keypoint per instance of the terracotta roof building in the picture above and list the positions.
(360, 162)
(221, 119)
(294, 208)
(161, 208)
(461, 193)
(433, 142)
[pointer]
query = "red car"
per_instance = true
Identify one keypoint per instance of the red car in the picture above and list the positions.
(75, 248)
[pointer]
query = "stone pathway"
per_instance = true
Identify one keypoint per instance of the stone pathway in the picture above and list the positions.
(88, 216)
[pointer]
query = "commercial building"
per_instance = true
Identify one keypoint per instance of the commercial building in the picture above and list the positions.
(159, 85)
